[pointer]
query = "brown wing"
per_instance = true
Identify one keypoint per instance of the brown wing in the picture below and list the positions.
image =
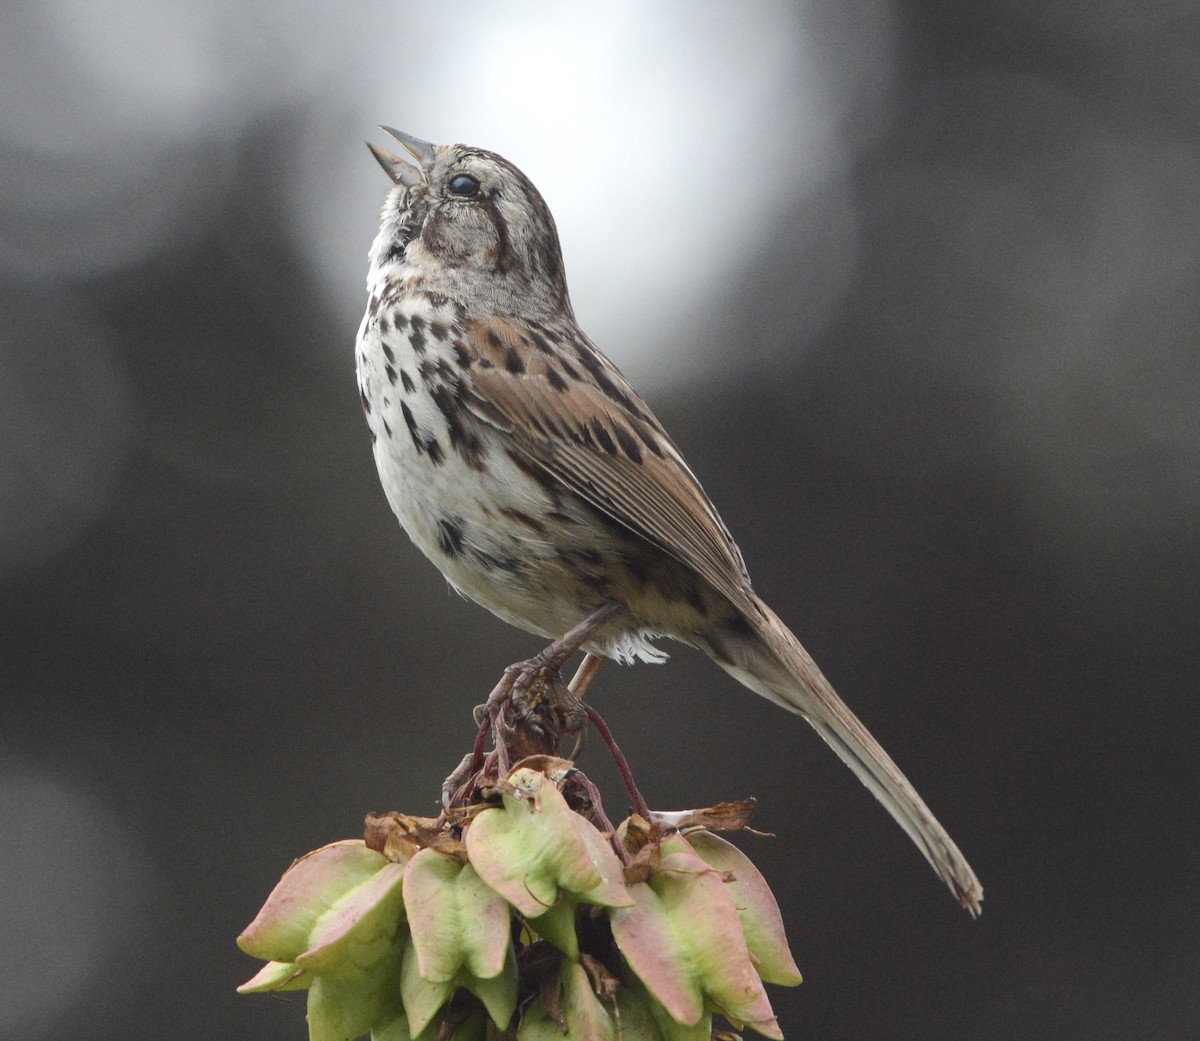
(569, 411)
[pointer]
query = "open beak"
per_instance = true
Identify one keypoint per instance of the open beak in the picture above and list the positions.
(400, 171)
(421, 151)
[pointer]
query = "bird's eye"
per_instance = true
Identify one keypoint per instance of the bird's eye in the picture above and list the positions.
(463, 184)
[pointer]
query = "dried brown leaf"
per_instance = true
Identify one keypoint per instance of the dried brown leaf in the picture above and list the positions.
(552, 766)
(604, 983)
(399, 836)
(724, 816)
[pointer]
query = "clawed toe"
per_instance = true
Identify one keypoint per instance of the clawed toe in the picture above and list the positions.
(458, 777)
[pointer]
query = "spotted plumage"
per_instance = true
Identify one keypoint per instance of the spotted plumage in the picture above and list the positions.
(524, 465)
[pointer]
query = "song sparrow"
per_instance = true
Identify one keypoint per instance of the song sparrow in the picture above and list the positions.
(525, 466)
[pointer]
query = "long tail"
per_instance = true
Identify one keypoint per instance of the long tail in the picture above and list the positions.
(774, 664)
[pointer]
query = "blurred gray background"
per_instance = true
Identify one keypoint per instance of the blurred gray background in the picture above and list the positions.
(915, 286)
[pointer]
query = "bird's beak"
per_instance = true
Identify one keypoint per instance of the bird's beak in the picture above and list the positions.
(396, 168)
(421, 151)
(401, 172)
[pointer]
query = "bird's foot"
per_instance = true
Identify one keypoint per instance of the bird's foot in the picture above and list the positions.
(531, 710)
(525, 684)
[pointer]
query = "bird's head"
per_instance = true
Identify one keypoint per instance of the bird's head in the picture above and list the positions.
(465, 216)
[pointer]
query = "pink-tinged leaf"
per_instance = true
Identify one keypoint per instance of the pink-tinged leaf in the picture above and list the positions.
(684, 940)
(612, 891)
(586, 1017)
(395, 1029)
(557, 926)
(474, 1029)
(498, 994)
(457, 920)
(339, 1010)
(645, 935)
(762, 923)
(423, 998)
(360, 928)
(276, 975)
(530, 848)
(642, 1017)
(307, 890)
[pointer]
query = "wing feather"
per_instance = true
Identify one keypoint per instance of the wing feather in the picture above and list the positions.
(584, 424)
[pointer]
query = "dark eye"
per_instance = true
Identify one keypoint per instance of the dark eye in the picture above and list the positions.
(463, 184)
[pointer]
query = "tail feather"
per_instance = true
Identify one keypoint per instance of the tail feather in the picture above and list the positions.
(774, 664)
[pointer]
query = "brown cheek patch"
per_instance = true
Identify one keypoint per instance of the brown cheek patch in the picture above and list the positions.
(500, 255)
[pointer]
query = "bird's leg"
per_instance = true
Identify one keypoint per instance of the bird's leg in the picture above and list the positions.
(525, 682)
(555, 656)
(575, 712)
(585, 674)
(541, 704)
(518, 712)
(574, 718)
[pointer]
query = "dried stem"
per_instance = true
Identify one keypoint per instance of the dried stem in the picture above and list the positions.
(597, 720)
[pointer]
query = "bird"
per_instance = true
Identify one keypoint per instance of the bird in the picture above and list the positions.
(526, 467)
